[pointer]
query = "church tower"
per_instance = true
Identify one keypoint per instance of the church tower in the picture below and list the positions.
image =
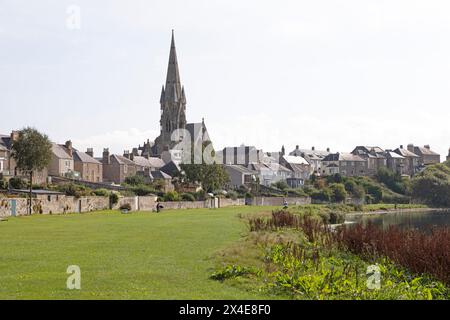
(173, 104)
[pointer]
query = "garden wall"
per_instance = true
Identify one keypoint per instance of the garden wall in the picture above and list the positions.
(278, 201)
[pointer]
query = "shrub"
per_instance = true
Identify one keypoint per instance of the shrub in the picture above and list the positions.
(142, 190)
(113, 198)
(134, 180)
(232, 195)
(3, 184)
(281, 185)
(18, 183)
(101, 192)
(187, 197)
(171, 196)
(322, 195)
(338, 192)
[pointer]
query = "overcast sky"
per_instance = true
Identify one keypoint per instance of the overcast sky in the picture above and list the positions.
(321, 73)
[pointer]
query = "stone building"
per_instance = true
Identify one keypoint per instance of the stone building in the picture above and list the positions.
(374, 156)
(313, 156)
(117, 168)
(62, 164)
(346, 164)
(411, 161)
(395, 162)
(89, 168)
(426, 155)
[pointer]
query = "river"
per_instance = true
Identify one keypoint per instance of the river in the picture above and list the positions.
(421, 220)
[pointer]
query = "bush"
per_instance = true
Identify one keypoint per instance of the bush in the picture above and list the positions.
(187, 197)
(101, 192)
(18, 183)
(338, 192)
(280, 185)
(3, 184)
(143, 190)
(113, 198)
(74, 190)
(232, 195)
(322, 195)
(171, 196)
(134, 180)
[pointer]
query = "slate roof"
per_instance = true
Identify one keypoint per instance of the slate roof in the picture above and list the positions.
(425, 151)
(84, 157)
(295, 160)
(171, 168)
(342, 157)
(239, 168)
(148, 163)
(406, 153)
(392, 154)
(60, 152)
(5, 142)
(159, 175)
(122, 160)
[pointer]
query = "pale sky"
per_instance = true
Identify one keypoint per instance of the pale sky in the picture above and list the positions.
(321, 73)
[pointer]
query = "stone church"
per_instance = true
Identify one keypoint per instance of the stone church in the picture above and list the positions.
(173, 111)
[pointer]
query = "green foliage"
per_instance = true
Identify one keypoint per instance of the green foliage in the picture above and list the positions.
(232, 195)
(134, 180)
(142, 190)
(433, 185)
(281, 185)
(392, 180)
(324, 194)
(101, 192)
(113, 198)
(210, 176)
(187, 197)
(32, 150)
(171, 196)
(338, 192)
(74, 190)
(3, 184)
(18, 183)
(233, 271)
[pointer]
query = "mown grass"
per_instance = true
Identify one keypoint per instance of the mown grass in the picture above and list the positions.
(136, 256)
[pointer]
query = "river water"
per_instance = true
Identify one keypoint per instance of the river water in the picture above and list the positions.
(421, 220)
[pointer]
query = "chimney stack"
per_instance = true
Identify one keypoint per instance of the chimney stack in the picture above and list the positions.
(297, 147)
(90, 152)
(410, 147)
(106, 158)
(313, 148)
(427, 146)
(126, 154)
(69, 148)
(328, 149)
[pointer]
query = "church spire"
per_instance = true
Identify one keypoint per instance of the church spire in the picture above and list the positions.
(173, 83)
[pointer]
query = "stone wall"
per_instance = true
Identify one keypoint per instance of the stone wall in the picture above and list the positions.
(279, 201)
(224, 202)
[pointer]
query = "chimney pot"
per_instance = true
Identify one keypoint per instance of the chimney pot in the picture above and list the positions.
(401, 146)
(313, 148)
(328, 149)
(90, 152)
(427, 146)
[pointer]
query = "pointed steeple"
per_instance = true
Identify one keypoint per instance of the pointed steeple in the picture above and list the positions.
(163, 94)
(173, 83)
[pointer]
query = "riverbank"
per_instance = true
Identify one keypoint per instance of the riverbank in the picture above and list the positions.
(398, 210)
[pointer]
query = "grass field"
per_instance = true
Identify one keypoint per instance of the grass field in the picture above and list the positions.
(136, 256)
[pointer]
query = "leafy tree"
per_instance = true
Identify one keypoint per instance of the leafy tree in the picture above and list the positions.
(338, 192)
(393, 180)
(210, 176)
(32, 152)
(433, 185)
(324, 194)
(17, 183)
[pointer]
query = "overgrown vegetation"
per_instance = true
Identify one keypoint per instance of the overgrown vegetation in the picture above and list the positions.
(433, 185)
(303, 258)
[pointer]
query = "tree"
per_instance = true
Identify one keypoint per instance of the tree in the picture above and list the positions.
(281, 185)
(338, 192)
(433, 185)
(32, 152)
(134, 180)
(210, 176)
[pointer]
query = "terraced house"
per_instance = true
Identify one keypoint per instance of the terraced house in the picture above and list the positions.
(346, 164)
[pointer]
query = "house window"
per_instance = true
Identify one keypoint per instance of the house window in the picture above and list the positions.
(125, 168)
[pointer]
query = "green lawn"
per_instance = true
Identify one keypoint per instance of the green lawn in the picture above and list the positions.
(136, 256)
